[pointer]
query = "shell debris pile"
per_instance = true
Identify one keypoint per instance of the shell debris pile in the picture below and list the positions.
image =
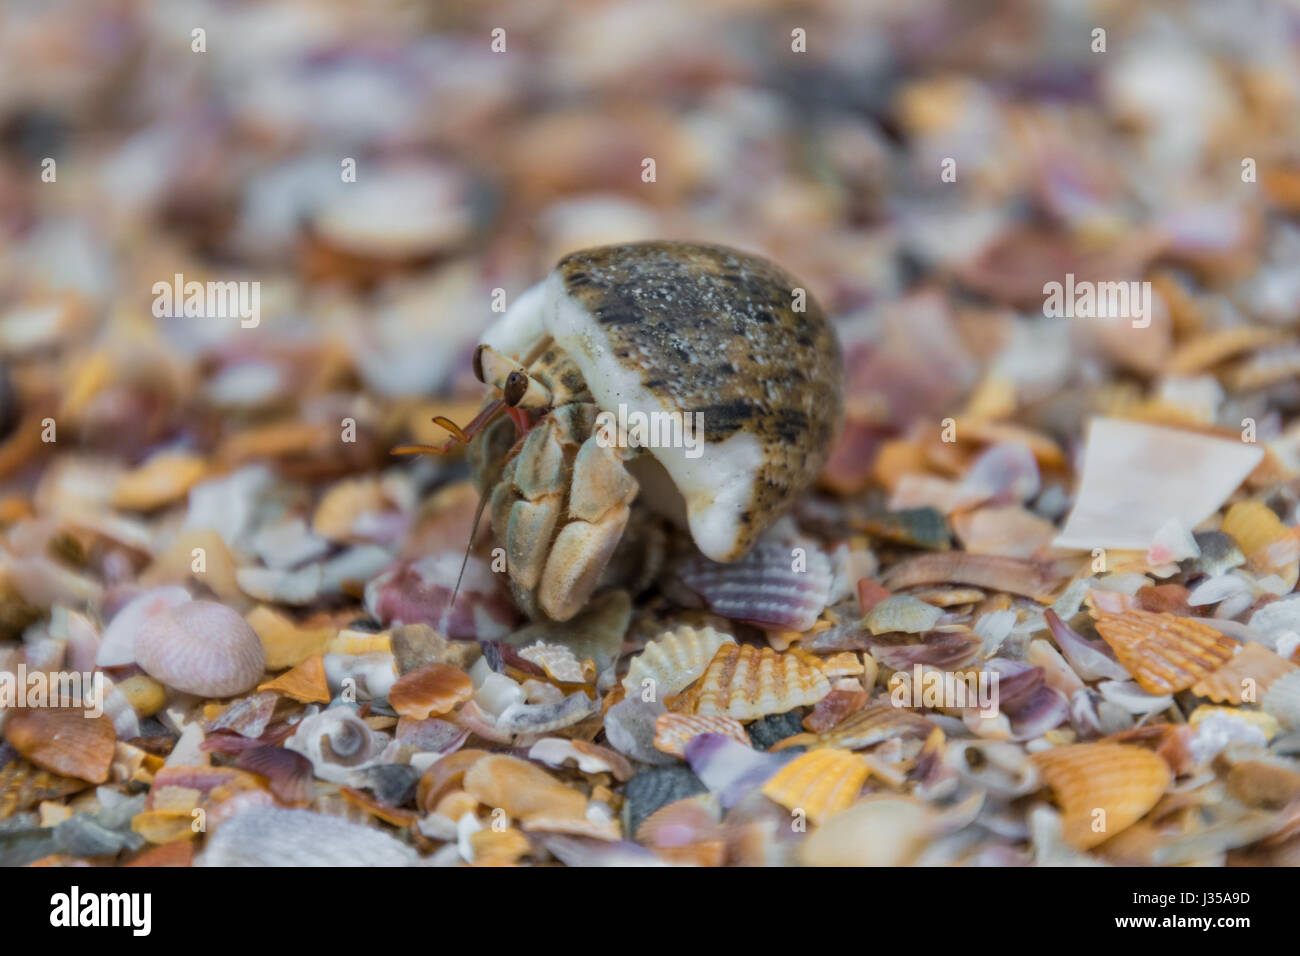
(991, 553)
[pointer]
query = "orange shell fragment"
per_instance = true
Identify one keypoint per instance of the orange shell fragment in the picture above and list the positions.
(1164, 653)
(1102, 788)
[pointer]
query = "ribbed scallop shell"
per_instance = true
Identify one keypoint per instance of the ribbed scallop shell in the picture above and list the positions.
(763, 587)
(819, 782)
(1282, 700)
(1123, 781)
(747, 682)
(1255, 663)
(201, 647)
(674, 660)
(674, 731)
(1164, 653)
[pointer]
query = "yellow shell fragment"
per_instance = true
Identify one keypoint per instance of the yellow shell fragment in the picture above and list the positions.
(748, 682)
(674, 660)
(819, 782)
(1267, 723)
(286, 644)
(1102, 788)
(526, 792)
(145, 695)
(163, 480)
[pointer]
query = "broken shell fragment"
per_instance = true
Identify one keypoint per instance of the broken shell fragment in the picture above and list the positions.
(1249, 674)
(305, 683)
(63, 740)
(1102, 788)
(522, 789)
(430, 691)
(201, 647)
(1164, 653)
(747, 682)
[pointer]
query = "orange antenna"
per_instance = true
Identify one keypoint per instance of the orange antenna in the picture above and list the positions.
(459, 436)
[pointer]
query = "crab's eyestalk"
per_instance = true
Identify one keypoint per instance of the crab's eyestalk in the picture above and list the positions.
(518, 388)
(523, 391)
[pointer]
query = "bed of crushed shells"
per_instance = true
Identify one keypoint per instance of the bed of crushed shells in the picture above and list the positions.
(1100, 514)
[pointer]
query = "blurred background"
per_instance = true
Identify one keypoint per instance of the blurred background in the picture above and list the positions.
(923, 167)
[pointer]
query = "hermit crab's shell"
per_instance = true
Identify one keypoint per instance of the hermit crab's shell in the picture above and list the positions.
(683, 328)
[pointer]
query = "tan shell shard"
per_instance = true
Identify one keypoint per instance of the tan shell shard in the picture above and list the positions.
(675, 660)
(819, 782)
(747, 682)
(1122, 782)
(992, 571)
(63, 740)
(1253, 669)
(871, 725)
(526, 792)
(1164, 653)
(430, 690)
(1208, 350)
(674, 731)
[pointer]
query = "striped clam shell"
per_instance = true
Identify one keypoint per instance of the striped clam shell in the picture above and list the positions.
(674, 660)
(202, 648)
(747, 682)
(674, 731)
(774, 586)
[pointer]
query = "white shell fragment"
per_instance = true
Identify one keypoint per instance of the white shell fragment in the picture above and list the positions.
(1138, 477)
(273, 836)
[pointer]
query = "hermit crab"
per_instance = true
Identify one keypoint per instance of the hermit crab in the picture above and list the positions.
(692, 384)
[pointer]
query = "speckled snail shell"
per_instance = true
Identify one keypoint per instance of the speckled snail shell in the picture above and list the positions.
(686, 327)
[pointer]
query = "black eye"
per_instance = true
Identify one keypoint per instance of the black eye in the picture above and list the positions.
(478, 363)
(515, 387)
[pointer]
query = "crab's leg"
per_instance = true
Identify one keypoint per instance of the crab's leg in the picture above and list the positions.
(600, 494)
